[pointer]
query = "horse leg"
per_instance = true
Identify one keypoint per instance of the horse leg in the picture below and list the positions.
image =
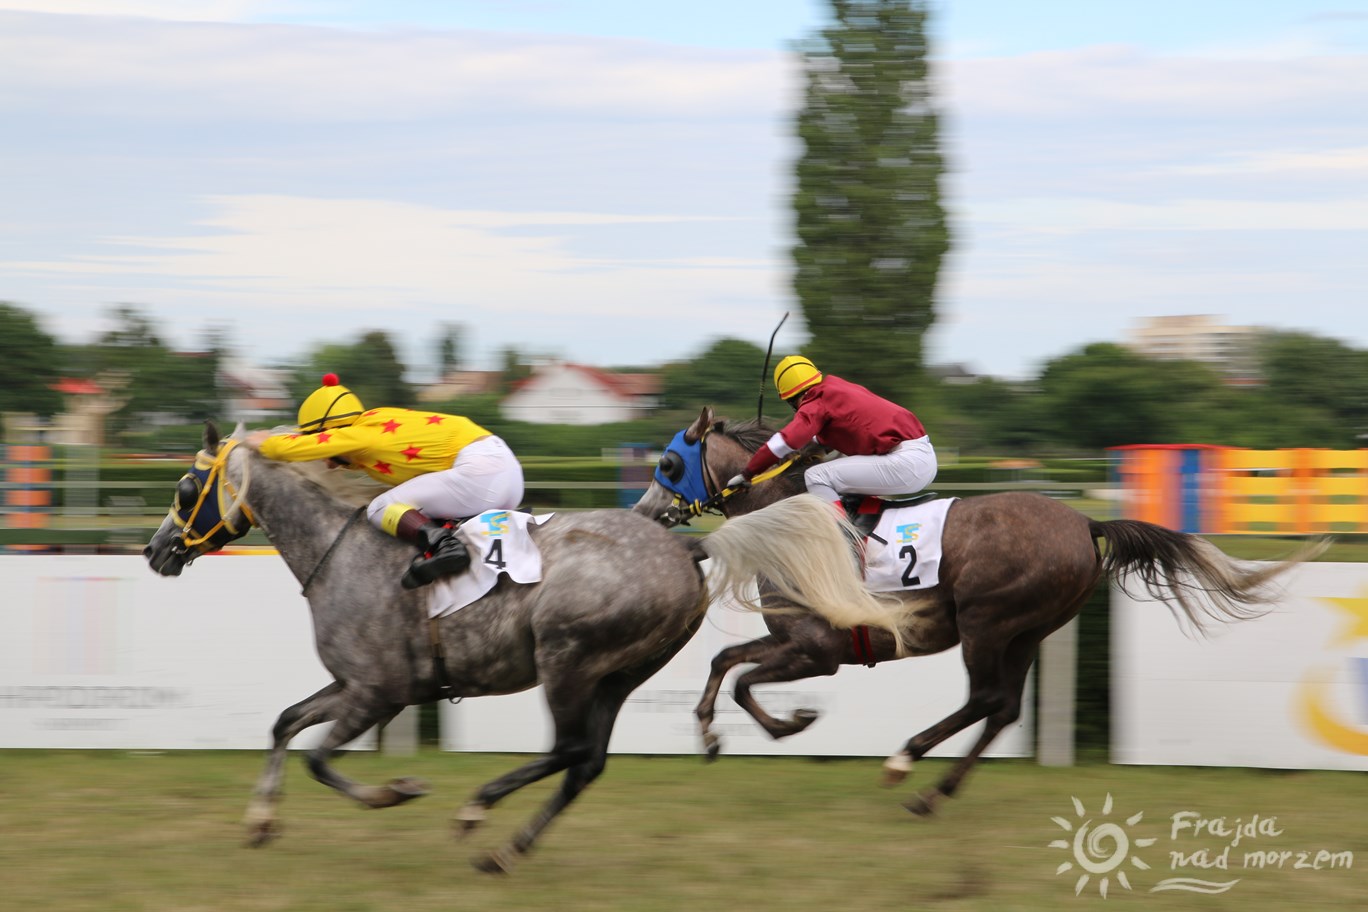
(723, 663)
(787, 661)
(260, 820)
(355, 720)
(987, 695)
(1016, 664)
(569, 705)
(610, 694)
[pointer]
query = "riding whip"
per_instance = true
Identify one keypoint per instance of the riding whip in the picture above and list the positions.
(764, 374)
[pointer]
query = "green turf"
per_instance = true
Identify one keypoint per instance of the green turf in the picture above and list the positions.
(114, 831)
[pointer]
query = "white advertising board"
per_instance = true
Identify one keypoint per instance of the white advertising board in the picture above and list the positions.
(864, 711)
(1288, 690)
(100, 652)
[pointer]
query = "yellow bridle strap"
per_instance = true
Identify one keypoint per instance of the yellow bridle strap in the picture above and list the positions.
(229, 498)
(698, 508)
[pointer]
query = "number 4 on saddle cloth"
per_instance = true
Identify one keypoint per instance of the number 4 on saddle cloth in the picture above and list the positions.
(902, 540)
(499, 543)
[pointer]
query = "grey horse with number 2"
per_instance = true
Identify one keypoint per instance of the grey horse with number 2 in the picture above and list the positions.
(1015, 567)
(619, 596)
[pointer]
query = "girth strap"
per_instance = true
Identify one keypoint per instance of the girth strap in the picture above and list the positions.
(439, 662)
(864, 650)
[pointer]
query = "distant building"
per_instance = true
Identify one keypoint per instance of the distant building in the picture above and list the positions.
(1198, 337)
(561, 393)
(456, 384)
(256, 394)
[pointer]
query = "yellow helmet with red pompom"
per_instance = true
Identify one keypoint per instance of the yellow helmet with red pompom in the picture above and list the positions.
(795, 374)
(331, 405)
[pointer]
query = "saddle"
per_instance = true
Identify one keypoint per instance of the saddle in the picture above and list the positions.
(864, 510)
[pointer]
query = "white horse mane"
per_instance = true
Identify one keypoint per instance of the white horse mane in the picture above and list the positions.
(352, 487)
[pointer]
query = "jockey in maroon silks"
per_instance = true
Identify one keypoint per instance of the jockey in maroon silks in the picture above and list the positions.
(886, 450)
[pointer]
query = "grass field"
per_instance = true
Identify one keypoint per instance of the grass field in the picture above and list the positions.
(116, 831)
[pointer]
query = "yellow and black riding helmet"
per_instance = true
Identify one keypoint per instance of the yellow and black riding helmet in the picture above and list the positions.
(794, 375)
(331, 405)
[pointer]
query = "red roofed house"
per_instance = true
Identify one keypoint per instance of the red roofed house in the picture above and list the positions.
(561, 393)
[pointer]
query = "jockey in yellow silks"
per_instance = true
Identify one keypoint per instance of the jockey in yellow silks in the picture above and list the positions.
(437, 464)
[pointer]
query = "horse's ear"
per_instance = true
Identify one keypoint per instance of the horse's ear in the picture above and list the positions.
(697, 429)
(211, 437)
(240, 431)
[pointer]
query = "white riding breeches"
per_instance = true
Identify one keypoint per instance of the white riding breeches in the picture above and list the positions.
(485, 476)
(906, 469)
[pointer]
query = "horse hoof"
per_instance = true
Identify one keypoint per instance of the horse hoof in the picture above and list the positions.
(497, 862)
(259, 834)
(408, 787)
(712, 746)
(802, 718)
(921, 805)
(467, 819)
(896, 768)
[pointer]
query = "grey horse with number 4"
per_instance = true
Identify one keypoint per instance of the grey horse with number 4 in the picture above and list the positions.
(619, 596)
(1015, 567)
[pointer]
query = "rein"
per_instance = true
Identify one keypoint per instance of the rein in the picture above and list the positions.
(327, 555)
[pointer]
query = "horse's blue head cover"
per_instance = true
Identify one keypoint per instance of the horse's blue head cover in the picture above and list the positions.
(681, 469)
(188, 494)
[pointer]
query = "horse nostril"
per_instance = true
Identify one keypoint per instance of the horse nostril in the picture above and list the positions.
(147, 552)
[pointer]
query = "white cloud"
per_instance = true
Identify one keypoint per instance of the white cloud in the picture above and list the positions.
(153, 69)
(175, 10)
(1063, 215)
(1116, 81)
(1335, 162)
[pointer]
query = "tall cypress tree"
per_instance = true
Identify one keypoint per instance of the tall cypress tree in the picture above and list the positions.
(870, 225)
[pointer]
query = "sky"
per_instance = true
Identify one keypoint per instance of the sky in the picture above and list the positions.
(608, 181)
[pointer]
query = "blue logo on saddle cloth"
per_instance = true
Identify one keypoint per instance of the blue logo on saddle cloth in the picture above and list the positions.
(499, 545)
(495, 522)
(904, 550)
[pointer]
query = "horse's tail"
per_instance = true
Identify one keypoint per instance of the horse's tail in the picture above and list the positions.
(1176, 568)
(806, 552)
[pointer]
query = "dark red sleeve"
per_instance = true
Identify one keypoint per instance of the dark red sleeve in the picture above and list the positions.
(763, 459)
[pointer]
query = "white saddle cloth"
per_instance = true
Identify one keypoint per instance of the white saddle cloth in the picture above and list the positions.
(498, 542)
(904, 550)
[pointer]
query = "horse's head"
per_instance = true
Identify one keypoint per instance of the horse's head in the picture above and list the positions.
(208, 510)
(692, 473)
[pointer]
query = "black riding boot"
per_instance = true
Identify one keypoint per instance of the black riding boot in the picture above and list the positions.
(443, 555)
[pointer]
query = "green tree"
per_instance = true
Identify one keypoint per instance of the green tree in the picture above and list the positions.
(870, 224)
(1106, 395)
(450, 348)
(726, 376)
(991, 416)
(156, 383)
(1321, 382)
(369, 367)
(28, 364)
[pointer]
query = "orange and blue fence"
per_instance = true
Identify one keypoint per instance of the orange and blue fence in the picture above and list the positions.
(28, 489)
(1231, 491)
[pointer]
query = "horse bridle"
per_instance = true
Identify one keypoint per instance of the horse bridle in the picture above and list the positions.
(228, 498)
(680, 511)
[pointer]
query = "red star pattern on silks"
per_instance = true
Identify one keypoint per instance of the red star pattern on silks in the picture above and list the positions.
(368, 414)
(324, 438)
(291, 436)
(383, 468)
(435, 419)
(412, 452)
(389, 427)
